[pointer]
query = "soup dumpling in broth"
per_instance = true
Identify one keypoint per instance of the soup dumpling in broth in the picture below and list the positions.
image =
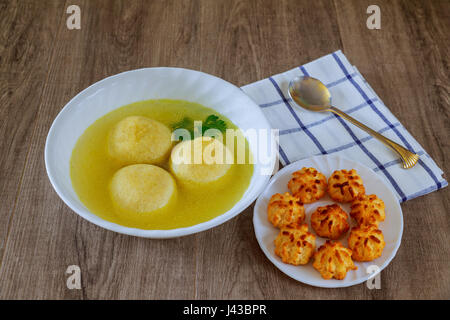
(137, 139)
(141, 189)
(199, 161)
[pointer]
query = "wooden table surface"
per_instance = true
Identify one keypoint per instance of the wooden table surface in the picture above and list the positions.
(43, 65)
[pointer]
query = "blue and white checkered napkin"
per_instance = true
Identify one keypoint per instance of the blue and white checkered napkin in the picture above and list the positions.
(304, 133)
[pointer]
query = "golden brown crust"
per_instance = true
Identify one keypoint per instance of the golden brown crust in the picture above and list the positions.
(284, 210)
(345, 185)
(295, 245)
(333, 260)
(366, 242)
(308, 185)
(368, 209)
(330, 221)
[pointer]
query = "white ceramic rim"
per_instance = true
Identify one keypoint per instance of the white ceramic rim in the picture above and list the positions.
(306, 280)
(156, 234)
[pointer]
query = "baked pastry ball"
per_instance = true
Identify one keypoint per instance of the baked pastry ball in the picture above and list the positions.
(142, 188)
(333, 260)
(330, 221)
(137, 139)
(308, 185)
(202, 160)
(284, 210)
(368, 209)
(345, 186)
(295, 245)
(366, 242)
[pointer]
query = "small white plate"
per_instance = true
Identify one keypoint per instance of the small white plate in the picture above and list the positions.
(392, 227)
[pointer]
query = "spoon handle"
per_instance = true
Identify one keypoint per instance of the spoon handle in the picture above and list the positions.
(409, 158)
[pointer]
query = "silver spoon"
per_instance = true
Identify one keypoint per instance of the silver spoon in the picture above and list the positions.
(313, 95)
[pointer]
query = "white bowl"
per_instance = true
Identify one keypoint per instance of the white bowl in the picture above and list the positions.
(143, 84)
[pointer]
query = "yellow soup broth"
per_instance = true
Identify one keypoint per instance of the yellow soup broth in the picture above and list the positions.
(92, 168)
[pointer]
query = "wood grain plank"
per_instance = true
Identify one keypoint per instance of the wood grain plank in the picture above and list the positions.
(410, 68)
(46, 236)
(230, 263)
(241, 41)
(25, 55)
(406, 62)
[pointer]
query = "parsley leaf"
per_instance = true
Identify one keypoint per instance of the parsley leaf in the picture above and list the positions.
(211, 122)
(185, 123)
